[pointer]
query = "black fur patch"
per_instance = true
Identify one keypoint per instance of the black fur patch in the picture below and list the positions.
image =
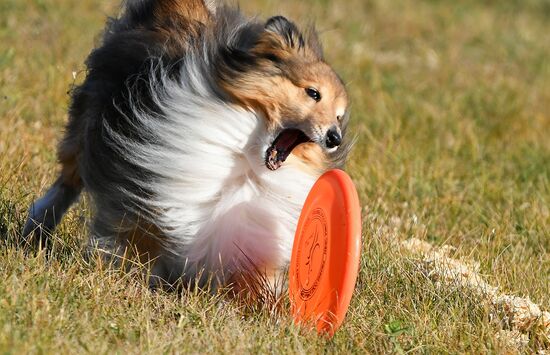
(287, 30)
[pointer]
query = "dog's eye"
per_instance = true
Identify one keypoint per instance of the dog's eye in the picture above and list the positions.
(314, 94)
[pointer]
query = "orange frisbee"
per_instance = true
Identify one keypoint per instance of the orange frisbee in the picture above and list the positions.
(325, 256)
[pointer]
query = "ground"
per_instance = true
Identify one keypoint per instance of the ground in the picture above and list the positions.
(452, 117)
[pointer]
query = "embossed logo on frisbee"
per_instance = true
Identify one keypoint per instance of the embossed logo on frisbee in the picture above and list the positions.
(312, 254)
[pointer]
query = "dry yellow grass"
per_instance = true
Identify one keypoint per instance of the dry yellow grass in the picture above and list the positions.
(451, 109)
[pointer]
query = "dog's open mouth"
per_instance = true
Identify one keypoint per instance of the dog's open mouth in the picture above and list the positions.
(282, 146)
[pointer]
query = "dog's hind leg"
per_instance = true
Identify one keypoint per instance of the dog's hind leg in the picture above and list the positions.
(46, 212)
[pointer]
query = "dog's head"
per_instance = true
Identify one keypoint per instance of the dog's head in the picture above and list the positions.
(280, 73)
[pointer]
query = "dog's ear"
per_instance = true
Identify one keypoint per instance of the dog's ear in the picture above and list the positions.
(286, 31)
(314, 42)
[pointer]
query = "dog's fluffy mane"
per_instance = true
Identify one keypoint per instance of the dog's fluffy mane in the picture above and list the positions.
(168, 149)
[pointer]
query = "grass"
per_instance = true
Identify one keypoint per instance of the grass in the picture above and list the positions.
(451, 109)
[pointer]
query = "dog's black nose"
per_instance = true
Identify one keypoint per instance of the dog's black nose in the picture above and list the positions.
(334, 138)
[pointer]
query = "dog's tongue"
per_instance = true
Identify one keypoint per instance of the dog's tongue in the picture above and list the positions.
(283, 145)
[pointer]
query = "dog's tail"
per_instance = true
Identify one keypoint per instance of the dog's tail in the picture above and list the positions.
(46, 212)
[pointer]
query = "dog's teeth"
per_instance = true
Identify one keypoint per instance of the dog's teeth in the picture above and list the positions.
(271, 159)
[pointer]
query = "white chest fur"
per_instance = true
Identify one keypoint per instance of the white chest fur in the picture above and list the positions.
(220, 206)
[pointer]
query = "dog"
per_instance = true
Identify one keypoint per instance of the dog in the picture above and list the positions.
(198, 133)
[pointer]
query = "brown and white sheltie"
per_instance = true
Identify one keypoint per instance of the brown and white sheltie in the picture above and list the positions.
(198, 134)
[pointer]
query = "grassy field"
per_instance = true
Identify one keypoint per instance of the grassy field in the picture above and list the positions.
(451, 107)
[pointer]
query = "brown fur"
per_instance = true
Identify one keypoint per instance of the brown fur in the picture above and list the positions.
(191, 15)
(191, 10)
(309, 157)
(143, 242)
(281, 97)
